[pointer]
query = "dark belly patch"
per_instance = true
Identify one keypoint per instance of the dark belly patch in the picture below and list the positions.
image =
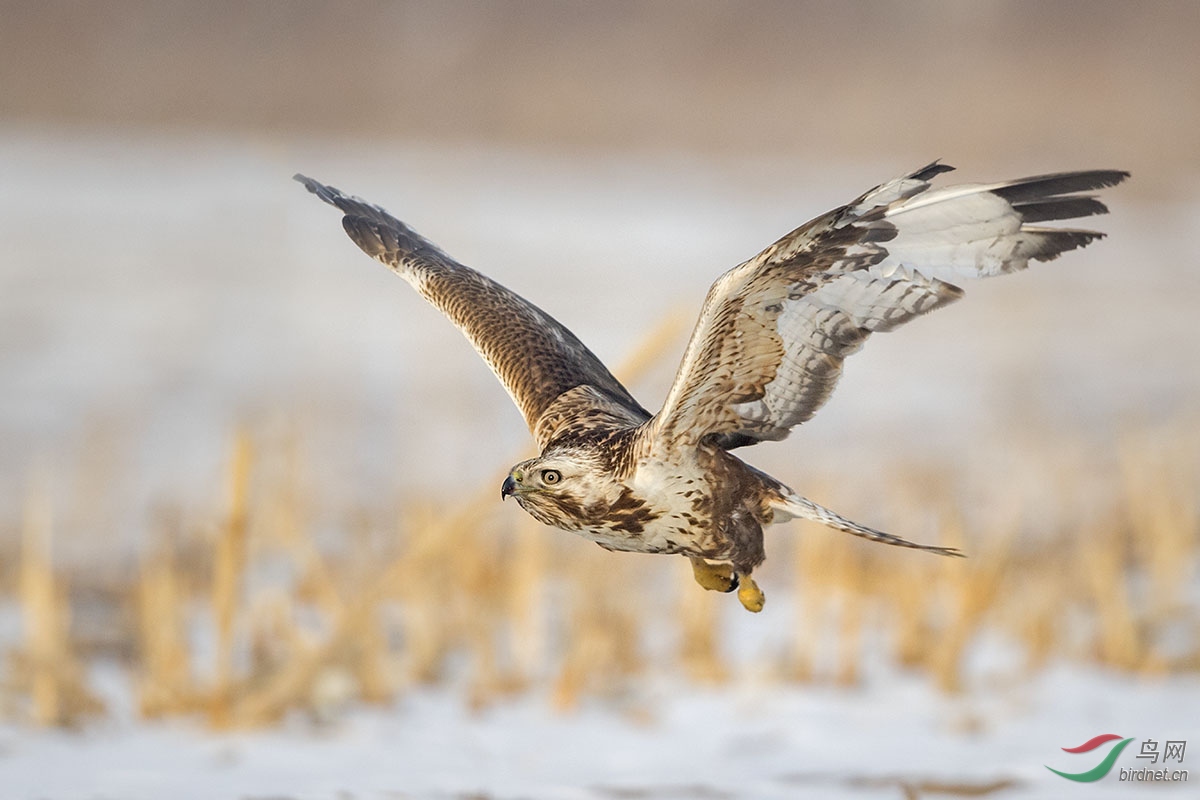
(629, 514)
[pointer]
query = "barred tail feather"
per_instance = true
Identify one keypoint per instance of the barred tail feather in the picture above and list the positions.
(792, 505)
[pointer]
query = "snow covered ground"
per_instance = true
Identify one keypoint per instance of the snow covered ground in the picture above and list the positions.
(759, 740)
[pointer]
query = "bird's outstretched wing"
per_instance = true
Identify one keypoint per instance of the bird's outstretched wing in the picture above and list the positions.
(773, 332)
(534, 356)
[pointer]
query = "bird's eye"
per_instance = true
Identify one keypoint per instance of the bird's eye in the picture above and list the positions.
(551, 476)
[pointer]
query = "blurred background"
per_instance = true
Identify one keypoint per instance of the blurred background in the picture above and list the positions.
(248, 477)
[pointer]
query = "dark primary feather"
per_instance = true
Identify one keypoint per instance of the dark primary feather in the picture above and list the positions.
(534, 356)
(1044, 198)
(929, 172)
(1059, 208)
(1058, 183)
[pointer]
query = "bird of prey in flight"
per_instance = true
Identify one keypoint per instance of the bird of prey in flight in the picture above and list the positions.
(765, 354)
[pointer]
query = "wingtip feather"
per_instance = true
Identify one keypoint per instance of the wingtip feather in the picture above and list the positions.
(1058, 184)
(327, 193)
(930, 171)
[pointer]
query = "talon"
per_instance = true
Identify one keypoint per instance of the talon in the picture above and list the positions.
(750, 595)
(714, 577)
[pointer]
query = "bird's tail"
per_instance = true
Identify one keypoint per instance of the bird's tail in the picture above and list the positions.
(789, 505)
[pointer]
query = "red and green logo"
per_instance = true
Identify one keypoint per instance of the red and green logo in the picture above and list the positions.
(1100, 770)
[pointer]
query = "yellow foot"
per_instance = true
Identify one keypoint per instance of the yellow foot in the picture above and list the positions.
(750, 595)
(714, 577)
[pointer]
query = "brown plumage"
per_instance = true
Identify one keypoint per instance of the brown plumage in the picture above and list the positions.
(764, 356)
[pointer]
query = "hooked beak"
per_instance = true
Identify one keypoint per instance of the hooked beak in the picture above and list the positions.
(508, 487)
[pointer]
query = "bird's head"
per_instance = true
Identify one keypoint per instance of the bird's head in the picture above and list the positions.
(563, 488)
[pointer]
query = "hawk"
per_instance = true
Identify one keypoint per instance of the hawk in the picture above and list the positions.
(765, 354)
